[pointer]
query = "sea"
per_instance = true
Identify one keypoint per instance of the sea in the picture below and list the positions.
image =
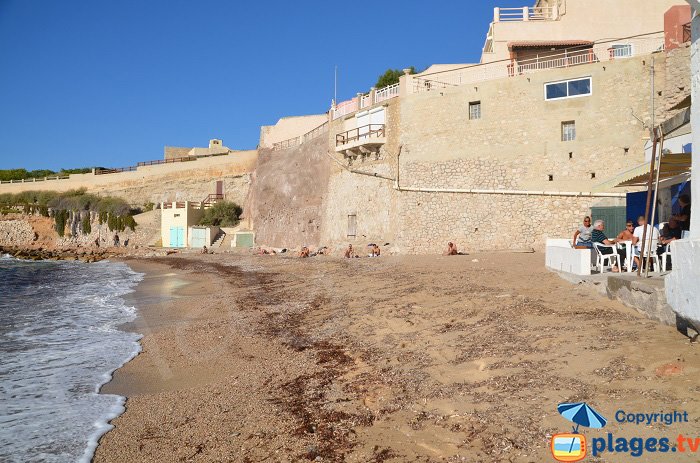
(60, 341)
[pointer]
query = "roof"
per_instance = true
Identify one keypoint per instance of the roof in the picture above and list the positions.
(548, 43)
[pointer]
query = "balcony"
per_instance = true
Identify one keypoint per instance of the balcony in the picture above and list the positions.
(363, 140)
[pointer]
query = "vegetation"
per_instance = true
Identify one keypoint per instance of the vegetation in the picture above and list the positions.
(24, 174)
(73, 208)
(222, 214)
(390, 77)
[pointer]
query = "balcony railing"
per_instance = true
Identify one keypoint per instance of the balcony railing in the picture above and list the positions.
(567, 58)
(544, 13)
(385, 93)
(360, 133)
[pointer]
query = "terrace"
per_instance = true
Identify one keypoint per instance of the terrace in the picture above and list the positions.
(361, 141)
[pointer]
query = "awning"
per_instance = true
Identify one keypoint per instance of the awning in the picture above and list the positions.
(548, 43)
(675, 168)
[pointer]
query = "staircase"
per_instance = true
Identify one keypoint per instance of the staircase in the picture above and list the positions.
(212, 199)
(219, 239)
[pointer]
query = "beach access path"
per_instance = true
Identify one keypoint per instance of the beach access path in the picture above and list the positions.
(398, 358)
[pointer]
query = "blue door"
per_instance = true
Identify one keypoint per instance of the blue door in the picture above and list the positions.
(177, 237)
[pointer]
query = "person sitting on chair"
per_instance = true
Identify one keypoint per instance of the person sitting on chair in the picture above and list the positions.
(671, 232)
(627, 234)
(598, 236)
(582, 237)
(683, 215)
(652, 236)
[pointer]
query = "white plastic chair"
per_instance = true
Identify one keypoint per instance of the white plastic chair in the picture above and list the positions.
(612, 258)
(664, 258)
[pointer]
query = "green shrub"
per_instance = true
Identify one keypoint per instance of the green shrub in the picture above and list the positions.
(86, 227)
(60, 217)
(222, 214)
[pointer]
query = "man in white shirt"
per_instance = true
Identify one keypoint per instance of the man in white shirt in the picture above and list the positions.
(652, 238)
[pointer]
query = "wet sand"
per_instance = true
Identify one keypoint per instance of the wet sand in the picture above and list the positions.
(409, 358)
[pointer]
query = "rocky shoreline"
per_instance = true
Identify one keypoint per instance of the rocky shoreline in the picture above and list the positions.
(84, 255)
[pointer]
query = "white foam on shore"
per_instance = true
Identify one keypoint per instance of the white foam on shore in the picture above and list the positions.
(59, 354)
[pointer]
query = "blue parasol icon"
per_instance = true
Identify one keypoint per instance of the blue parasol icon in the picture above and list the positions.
(581, 414)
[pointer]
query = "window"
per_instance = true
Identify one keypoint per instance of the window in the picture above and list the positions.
(568, 131)
(567, 89)
(475, 110)
(621, 50)
(352, 225)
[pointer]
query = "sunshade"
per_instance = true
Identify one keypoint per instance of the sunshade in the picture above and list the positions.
(581, 414)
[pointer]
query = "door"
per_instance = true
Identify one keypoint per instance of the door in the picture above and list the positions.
(199, 237)
(614, 217)
(177, 237)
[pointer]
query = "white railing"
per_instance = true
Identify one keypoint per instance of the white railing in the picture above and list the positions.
(569, 57)
(385, 93)
(365, 101)
(544, 13)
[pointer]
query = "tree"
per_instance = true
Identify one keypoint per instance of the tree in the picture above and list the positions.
(390, 77)
(222, 214)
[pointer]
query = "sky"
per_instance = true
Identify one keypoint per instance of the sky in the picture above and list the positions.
(87, 83)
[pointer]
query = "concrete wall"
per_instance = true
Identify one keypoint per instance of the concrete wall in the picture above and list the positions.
(288, 188)
(584, 20)
(179, 181)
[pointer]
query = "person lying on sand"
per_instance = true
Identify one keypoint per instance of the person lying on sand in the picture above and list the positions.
(451, 249)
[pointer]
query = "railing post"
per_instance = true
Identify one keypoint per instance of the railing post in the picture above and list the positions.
(526, 13)
(496, 14)
(405, 86)
(555, 12)
(372, 95)
(359, 101)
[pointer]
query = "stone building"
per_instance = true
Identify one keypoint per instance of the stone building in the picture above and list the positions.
(502, 154)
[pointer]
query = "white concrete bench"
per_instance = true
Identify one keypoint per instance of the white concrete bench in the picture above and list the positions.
(559, 255)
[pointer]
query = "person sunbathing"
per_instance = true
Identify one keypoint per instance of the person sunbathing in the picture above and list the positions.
(304, 252)
(376, 252)
(349, 252)
(451, 249)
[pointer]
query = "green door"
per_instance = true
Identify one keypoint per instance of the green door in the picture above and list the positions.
(614, 217)
(244, 240)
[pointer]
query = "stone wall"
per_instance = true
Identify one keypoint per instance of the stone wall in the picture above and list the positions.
(15, 233)
(478, 222)
(288, 189)
(677, 76)
(520, 133)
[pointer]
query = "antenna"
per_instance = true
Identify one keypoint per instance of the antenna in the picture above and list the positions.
(335, 84)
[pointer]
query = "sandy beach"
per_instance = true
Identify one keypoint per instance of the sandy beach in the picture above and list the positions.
(400, 358)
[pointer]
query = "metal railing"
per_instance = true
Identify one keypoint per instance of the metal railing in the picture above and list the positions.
(359, 133)
(168, 161)
(318, 131)
(686, 32)
(100, 171)
(569, 57)
(296, 141)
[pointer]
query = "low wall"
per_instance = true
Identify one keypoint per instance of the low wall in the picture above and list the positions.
(561, 256)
